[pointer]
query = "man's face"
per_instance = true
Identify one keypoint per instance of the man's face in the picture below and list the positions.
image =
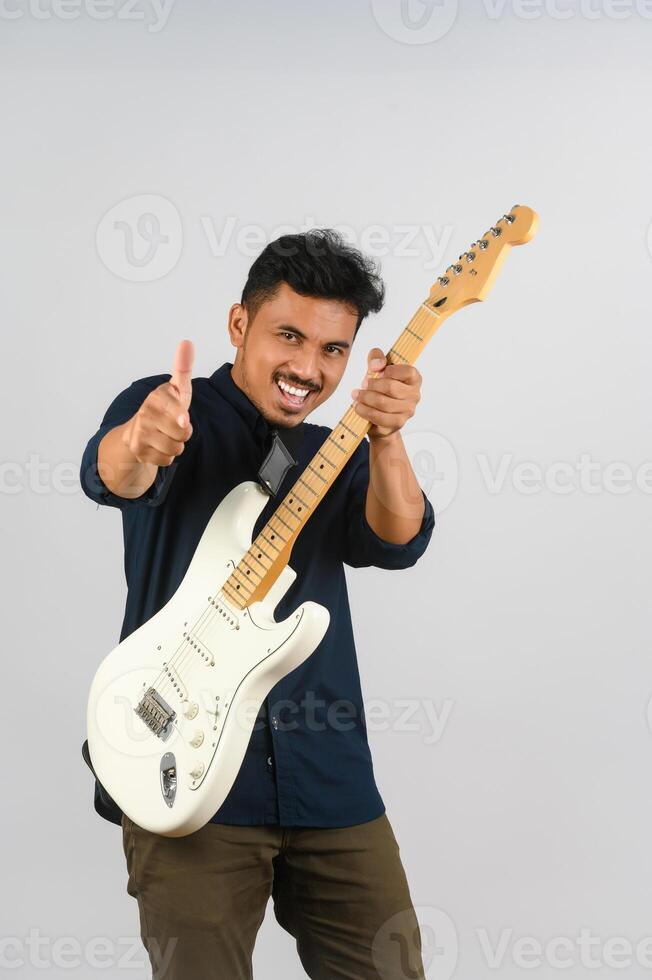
(301, 341)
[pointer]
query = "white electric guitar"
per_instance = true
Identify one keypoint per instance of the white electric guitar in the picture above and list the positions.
(171, 709)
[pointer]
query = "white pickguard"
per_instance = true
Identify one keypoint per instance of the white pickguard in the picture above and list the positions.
(221, 670)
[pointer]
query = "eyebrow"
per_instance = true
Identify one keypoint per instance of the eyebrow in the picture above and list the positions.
(299, 333)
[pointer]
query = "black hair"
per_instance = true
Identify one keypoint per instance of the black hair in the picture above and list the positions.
(317, 263)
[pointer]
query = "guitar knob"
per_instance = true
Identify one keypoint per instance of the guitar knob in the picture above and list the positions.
(191, 710)
(197, 739)
(197, 771)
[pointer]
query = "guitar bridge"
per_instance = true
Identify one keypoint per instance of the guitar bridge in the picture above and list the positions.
(156, 713)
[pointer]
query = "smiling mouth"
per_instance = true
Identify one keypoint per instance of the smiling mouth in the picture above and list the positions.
(293, 400)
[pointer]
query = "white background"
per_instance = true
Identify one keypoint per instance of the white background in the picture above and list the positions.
(526, 624)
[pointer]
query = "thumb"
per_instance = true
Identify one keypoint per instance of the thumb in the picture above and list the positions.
(376, 364)
(376, 360)
(182, 372)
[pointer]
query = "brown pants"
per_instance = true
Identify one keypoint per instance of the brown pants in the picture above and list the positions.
(340, 892)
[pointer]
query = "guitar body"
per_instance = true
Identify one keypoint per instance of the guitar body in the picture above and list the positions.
(171, 709)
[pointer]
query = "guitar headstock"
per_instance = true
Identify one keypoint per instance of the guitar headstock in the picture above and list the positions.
(470, 278)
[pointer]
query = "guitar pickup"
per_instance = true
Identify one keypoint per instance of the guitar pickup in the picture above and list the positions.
(201, 649)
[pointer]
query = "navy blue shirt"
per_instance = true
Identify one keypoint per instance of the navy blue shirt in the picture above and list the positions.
(308, 761)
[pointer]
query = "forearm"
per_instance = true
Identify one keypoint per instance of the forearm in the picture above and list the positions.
(119, 469)
(394, 505)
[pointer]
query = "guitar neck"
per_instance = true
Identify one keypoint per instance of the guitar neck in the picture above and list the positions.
(270, 551)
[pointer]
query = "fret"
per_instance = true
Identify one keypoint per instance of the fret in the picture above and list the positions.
(262, 551)
(235, 596)
(245, 581)
(279, 518)
(255, 559)
(320, 453)
(295, 494)
(253, 569)
(272, 543)
(322, 478)
(301, 480)
(341, 448)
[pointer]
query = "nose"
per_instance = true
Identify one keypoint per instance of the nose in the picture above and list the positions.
(304, 366)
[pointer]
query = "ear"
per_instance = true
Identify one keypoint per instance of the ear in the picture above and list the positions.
(237, 324)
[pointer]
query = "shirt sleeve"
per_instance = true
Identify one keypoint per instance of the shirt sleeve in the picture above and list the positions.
(121, 409)
(362, 546)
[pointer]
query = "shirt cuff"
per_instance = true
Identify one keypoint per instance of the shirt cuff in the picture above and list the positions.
(371, 549)
(95, 488)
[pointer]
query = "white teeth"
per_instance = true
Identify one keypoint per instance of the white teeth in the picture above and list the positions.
(299, 392)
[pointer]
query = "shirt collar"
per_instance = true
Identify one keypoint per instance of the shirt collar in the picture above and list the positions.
(223, 382)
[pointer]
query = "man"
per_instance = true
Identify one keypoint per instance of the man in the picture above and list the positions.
(304, 821)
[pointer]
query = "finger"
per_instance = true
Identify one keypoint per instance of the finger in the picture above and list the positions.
(170, 415)
(384, 403)
(163, 444)
(377, 417)
(168, 424)
(182, 371)
(170, 430)
(390, 386)
(152, 456)
(402, 372)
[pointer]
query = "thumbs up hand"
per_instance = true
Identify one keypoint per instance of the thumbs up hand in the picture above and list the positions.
(159, 430)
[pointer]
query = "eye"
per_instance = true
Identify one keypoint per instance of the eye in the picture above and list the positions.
(286, 333)
(337, 350)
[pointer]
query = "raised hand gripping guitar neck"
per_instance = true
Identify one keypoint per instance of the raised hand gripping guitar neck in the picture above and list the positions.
(171, 709)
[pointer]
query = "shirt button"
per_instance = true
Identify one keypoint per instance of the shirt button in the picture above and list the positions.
(269, 761)
(274, 721)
